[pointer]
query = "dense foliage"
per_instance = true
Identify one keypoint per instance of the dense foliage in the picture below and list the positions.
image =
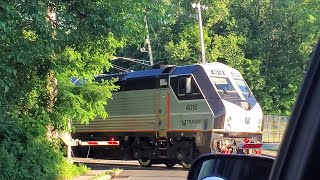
(44, 43)
(269, 41)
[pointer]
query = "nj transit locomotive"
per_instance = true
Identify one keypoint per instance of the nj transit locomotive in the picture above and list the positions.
(173, 114)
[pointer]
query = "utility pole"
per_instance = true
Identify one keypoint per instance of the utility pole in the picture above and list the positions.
(198, 6)
(148, 42)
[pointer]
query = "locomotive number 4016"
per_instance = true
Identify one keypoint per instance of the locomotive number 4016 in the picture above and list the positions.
(192, 107)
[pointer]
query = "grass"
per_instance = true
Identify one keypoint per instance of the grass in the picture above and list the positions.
(69, 170)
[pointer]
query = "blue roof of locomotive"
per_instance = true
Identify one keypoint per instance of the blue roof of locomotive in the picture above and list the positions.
(178, 70)
(144, 73)
(157, 72)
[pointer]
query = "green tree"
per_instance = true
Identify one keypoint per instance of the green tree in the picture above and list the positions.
(43, 45)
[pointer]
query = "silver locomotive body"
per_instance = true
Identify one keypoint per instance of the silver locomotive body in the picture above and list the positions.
(177, 113)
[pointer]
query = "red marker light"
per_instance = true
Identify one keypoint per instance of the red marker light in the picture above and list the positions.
(112, 139)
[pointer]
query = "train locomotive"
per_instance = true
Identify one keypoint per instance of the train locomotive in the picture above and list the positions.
(174, 114)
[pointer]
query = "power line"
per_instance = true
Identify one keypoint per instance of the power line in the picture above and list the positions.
(140, 60)
(120, 68)
(135, 60)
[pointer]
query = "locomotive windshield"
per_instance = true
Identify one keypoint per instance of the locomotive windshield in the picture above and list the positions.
(222, 83)
(242, 86)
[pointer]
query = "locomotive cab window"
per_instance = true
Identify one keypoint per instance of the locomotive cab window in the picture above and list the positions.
(185, 88)
(222, 83)
(242, 86)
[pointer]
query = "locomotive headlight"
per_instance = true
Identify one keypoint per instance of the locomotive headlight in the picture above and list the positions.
(229, 119)
(245, 105)
(228, 127)
(259, 125)
(259, 128)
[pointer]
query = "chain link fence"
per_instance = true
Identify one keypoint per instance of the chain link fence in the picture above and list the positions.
(274, 128)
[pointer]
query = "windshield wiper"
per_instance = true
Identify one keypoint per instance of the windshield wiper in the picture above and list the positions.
(225, 92)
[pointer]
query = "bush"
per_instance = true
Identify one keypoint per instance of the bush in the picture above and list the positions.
(25, 157)
(34, 160)
(68, 170)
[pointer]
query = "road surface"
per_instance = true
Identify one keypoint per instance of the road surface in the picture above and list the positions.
(132, 170)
